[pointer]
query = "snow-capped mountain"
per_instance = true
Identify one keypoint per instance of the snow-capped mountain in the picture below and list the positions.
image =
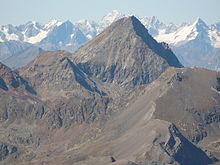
(109, 18)
(184, 33)
(194, 43)
(34, 33)
(65, 36)
(51, 24)
(18, 41)
(88, 28)
(9, 32)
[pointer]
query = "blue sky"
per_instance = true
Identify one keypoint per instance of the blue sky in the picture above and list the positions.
(176, 11)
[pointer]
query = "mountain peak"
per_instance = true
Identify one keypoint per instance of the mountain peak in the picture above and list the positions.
(68, 23)
(117, 54)
(12, 81)
(114, 13)
(200, 25)
(32, 22)
(111, 17)
(198, 19)
(82, 21)
(134, 26)
(52, 23)
(129, 22)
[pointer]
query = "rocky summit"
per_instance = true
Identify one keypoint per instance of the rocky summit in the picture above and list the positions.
(125, 54)
(121, 99)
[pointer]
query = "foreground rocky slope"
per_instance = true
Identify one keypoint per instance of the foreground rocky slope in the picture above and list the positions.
(121, 99)
(142, 132)
(145, 133)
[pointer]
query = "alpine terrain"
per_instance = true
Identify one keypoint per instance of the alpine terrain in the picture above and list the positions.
(120, 99)
(195, 43)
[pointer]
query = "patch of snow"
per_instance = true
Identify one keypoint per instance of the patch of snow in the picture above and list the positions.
(12, 37)
(60, 43)
(34, 24)
(215, 38)
(52, 23)
(111, 17)
(8, 36)
(89, 36)
(72, 35)
(35, 39)
(108, 20)
(70, 44)
(180, 36)
(85, 24)
(89, 29)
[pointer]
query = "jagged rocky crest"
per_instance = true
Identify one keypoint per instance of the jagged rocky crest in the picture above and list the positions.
(10, 80)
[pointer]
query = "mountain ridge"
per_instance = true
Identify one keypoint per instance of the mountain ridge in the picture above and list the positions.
(116, 100)
(195, 44)
(116, 58)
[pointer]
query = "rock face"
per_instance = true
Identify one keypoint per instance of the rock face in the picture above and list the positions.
(196, 108)
(144, 126)
(6, 150)
(62, 76)
(125, 54)
(76, 96)
(178, 148)
(122, 99)
(55, 72)
(19, 109)
(10, 80)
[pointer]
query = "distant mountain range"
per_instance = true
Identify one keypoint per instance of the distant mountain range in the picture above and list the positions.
(195, 43)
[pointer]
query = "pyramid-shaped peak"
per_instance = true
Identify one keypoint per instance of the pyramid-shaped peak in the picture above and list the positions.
(133, 19)
(200, 24)
(130, 22)
(126, 54)
(127, 23)
(132, 26)
(199, 20)
(128, 19)
(68, 23)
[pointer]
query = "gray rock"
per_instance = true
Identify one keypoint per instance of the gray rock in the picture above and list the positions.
(125, 54)
(6, 150)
